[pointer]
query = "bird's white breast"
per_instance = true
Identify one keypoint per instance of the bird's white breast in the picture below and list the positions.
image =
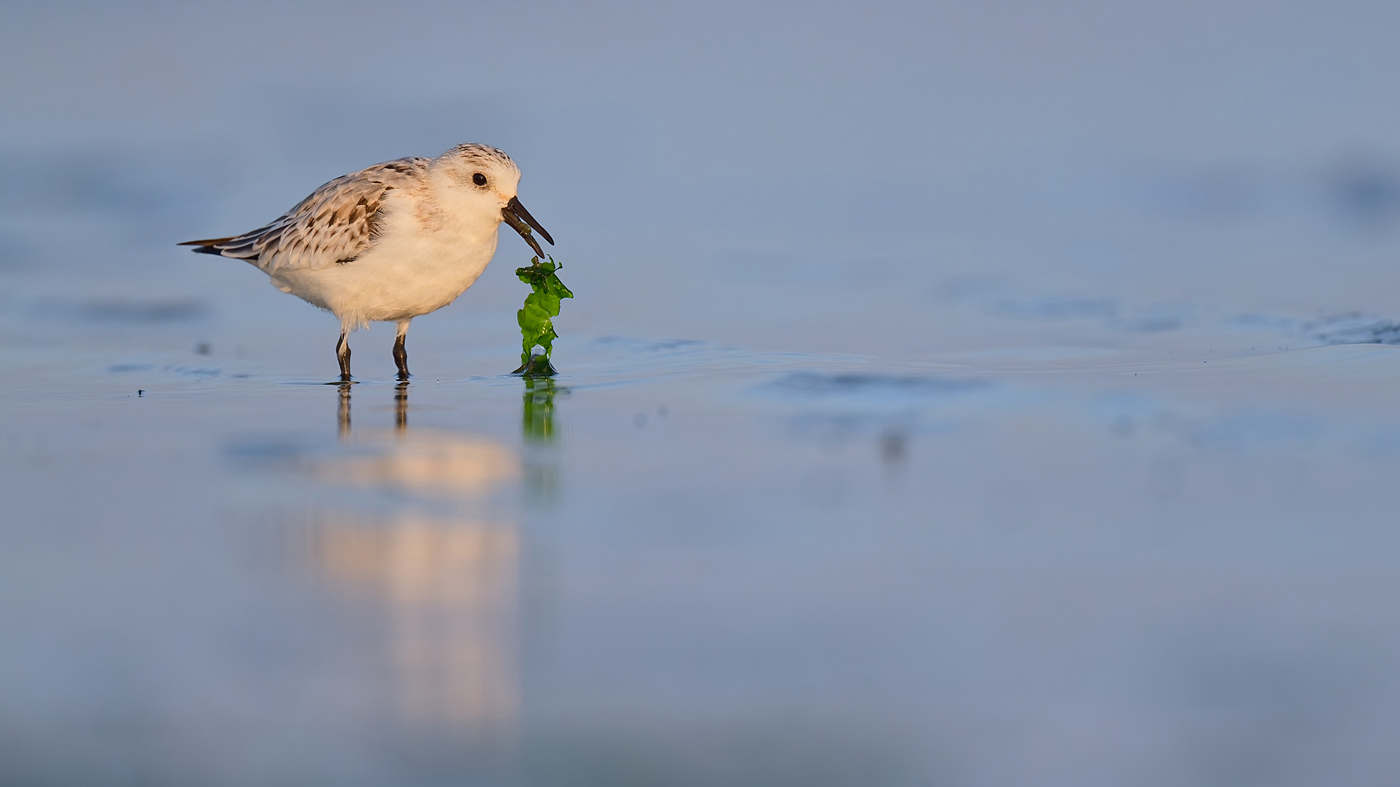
(428, 252)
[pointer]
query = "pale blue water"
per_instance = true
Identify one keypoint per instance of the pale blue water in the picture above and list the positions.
(985, 394)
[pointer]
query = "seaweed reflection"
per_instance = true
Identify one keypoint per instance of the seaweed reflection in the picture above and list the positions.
(537, 430)
(537, 409)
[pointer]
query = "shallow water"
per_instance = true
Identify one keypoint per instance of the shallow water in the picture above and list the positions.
(964, 396)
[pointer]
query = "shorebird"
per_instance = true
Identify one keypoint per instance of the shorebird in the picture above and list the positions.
(391, 242)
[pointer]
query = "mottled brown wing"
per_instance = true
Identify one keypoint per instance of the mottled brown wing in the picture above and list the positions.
(335, 225)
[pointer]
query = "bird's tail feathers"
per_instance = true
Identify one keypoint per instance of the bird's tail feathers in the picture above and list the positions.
(208, 246)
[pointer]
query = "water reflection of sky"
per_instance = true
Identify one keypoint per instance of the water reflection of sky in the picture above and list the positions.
(961, 394)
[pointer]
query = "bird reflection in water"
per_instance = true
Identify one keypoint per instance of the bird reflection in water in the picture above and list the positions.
(400, 408)
(448, 586)
(432, 555)
(344, 411)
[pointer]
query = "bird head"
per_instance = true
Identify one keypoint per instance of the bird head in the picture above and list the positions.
(485, 176)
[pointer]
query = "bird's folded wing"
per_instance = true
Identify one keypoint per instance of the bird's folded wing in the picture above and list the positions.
(336, 224)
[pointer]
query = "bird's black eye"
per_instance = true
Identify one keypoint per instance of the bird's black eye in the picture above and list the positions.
(479, 179)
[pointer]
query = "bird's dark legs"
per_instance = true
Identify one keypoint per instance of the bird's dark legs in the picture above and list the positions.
(401, 357)
(401, 352)
(342, 354)
(401, 391)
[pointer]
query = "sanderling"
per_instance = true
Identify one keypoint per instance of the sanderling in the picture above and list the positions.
(390, 242)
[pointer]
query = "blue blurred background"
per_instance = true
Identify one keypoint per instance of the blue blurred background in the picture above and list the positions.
(957, 393)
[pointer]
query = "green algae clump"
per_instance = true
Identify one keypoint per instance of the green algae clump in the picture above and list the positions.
(536, 317)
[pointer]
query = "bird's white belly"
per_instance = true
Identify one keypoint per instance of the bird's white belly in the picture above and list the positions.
(396, 280)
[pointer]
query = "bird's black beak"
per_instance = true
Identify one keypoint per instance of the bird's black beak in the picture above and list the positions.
(516, 216)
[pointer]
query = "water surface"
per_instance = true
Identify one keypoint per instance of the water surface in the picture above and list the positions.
(972, 395)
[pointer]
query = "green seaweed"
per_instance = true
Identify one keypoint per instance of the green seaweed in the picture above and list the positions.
(536, 316)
